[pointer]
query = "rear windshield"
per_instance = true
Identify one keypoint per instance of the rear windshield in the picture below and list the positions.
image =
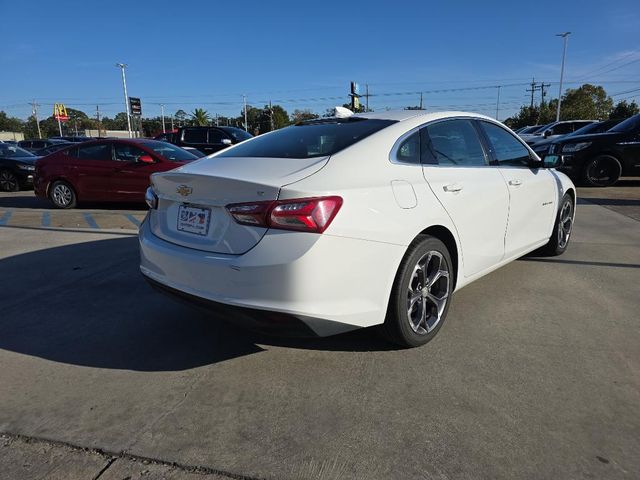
(170, 152)
(314, 139)
(8, 150)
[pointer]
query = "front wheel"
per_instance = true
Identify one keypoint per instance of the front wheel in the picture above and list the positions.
(602, 171)
(561, 235)
(8, 181)
(420, 296)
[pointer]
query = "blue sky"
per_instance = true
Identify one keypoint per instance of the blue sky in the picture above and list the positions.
(302, 54)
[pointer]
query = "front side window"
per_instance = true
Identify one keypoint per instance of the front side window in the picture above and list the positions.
(128, 153)
(452, 143)
(563, 129)
(507, 150)
(216, 136)
(101, 151)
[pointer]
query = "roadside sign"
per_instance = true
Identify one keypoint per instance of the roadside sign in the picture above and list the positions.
(60, 112)
(135, 106)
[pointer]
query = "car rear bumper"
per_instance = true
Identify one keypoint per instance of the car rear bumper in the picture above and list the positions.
(330, 284)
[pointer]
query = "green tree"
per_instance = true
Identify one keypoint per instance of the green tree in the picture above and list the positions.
(181, 117)
(10, 124)
(302, 115)
(586, 102)
(200, 117)
(624, 110)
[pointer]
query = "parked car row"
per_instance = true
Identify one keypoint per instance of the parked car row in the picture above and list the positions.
(591, 152)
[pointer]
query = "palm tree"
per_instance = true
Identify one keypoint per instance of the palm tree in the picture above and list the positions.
(200, 117)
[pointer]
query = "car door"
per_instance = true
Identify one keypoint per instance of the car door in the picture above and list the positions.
(532, 191)
(92, 170)
(629, 148)
(131, 176)
(473, 193)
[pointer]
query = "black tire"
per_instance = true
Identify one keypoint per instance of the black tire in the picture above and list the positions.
(562, 228)
(62, 195)
(403, 314)
(8, 181)
(602, 171)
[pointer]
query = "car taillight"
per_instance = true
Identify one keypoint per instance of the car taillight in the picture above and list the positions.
(302, 214)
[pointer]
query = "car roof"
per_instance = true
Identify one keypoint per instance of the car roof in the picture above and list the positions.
(425, 116)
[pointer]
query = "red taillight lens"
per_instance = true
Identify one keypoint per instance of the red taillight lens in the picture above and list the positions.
(303, 214)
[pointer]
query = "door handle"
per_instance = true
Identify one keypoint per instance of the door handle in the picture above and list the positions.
(515, 183)
(452, 187)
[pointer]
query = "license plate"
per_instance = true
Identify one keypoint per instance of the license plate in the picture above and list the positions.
(194, 219)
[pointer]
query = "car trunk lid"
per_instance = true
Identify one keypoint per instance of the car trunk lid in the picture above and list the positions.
(192, 199)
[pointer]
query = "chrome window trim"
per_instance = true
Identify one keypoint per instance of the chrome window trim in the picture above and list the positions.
(393, 154)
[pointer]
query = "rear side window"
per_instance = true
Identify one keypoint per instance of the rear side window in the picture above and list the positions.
(507, 150)
(195, 135)
(307, 140)
(100, 151)
(452, 143)
(409, 149)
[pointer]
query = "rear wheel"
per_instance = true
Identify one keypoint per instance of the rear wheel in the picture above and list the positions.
(62, 195)
(8, 181)
(420, 297)
(602, 171)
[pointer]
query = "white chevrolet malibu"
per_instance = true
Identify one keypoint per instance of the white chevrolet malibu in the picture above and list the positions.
(339, 223)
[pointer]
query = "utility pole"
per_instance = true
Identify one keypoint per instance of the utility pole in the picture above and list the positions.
(122, 66)
(164, 130)
(565, 37)
(34, 111)
(534, 88)
(270, 116)
(244, 101)
(366, 96)
(172, 123)
(421, 101)
(543, 93)
(497, 103)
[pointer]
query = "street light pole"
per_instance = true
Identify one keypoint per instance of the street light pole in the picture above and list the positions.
(565, 37)
(162, 113)
(126, 97)
(244, 101)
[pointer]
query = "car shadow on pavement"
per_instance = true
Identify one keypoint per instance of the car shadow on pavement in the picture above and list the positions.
(87, 304)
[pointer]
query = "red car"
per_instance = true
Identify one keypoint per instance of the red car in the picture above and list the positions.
(105, 170)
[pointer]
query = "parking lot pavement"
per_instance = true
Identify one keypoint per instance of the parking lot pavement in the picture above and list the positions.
(534, 374)
(25, 210)
(622, 198)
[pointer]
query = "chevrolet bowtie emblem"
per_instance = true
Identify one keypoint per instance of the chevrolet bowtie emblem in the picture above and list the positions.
(184, 190)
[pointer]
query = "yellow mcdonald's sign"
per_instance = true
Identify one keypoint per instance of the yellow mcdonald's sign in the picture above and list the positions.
(60, 112)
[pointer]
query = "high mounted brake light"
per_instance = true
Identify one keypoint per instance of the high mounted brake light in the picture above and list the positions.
(300, 214)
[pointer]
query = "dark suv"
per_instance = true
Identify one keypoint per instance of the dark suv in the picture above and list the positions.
(601, 159)
(36, 144)
(208, 139)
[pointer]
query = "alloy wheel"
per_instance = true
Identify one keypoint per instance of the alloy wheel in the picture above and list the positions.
(565, 222)
(601, 172)
(428, 292)
(62, 194)
(8, 181)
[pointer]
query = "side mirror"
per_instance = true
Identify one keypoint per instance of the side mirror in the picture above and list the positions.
(226, 141)
(552, 161)
(547, 133)
(146, 159)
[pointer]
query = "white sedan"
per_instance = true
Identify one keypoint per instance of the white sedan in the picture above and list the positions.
(346, 222)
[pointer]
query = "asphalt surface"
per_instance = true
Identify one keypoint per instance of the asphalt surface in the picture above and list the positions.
(535, 374)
